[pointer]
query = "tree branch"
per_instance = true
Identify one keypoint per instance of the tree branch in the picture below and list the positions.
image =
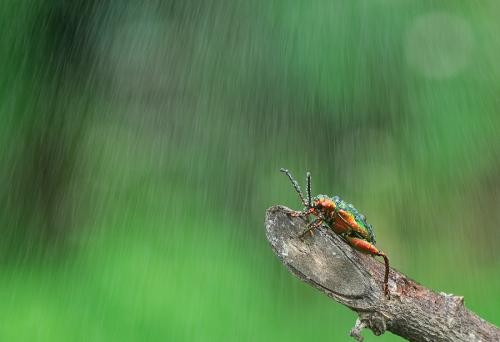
(355, 280)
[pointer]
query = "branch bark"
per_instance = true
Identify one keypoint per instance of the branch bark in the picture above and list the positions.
(355, 280)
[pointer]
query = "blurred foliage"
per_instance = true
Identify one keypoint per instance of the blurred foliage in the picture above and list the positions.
(141, 145)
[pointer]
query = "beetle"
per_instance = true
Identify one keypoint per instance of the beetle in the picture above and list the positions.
(342, 218)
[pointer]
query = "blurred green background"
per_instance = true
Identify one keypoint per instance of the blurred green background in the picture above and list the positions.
(141, 143)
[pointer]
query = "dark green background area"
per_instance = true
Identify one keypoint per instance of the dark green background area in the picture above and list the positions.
(140, 145)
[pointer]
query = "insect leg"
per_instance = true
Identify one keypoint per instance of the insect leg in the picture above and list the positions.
(386, 276)
(295, 185)
(302, 213)
(311, 226)
(366, 247)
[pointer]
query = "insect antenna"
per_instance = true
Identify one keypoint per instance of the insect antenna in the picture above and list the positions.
(295, 185)
(309, 200)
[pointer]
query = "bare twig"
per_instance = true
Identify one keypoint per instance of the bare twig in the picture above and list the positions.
(355, 280)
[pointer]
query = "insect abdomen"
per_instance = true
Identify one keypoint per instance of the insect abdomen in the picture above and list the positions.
(352, 219)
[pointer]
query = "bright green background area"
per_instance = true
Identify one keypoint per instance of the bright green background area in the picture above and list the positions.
(140, 148)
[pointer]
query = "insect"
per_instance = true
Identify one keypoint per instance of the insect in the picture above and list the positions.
(342, 218)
